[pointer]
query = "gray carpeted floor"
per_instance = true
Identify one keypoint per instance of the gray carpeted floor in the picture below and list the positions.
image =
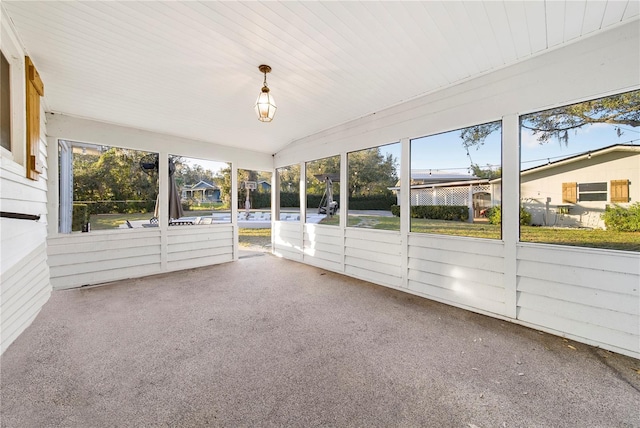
(269, 342)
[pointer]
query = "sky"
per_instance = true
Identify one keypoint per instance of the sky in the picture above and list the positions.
(445, 153)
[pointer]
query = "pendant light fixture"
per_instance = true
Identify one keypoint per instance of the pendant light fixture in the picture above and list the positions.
(265, 105)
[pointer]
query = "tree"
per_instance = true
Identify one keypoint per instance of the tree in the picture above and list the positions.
(488, 172)
(371, 173)
(330, 165)
(557, 123)
(114, 175)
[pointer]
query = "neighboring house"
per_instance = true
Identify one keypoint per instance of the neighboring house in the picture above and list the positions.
(575, 191)
(264, 186)
(201, 192)
(428, 188)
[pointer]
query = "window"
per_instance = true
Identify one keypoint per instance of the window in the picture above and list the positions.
(254, 198)
(289, 196)
(203, 189)
(580, 174)
(323, 190)
(373, 186)
(105, 187)
(592, 192)
(5, 103)
(456, 182)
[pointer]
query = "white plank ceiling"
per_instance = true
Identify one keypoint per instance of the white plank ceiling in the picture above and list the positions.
(191, 68)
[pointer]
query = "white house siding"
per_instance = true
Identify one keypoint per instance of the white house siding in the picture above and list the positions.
(374, 255)
(24, 273)
(592, 296)
(196, 246)
(324, 246)
(464, 272)
(79, 259)
(537, 186)
(519, 282)
(288, 239)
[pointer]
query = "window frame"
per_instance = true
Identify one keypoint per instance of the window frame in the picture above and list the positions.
(14, 160)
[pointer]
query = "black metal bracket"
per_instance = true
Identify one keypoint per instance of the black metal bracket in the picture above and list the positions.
(19, 216)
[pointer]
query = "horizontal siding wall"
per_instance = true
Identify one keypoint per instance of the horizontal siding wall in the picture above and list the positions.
(24, 272)
(324, 246)
(25, 288)
(588, 294)
(288, 242)
(92, 258)
(373, 255)
(459, 271)
(190, 247)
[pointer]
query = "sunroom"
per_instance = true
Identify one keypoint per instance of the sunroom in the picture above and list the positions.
(366, 94)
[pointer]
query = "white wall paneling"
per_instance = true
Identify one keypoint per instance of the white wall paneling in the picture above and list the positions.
(197, 246)
(24, 272)
(323, 246)
(593, 296)
(587, 294)
(374, 255)
(97, 257)
(288, 239)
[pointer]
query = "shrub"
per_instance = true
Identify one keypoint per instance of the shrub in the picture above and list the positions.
(377, 202)
(441, 212)
(80, 216)
(494, 214)
(436, 212)
(620, 219)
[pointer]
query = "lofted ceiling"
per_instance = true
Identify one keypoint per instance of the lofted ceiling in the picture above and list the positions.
(190, 69)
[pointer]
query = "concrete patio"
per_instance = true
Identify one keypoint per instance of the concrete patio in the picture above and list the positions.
(270, 342)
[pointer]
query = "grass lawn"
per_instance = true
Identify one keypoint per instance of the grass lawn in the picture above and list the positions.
(113, 221)
(259, 237)
(627, 241)
(592, 238)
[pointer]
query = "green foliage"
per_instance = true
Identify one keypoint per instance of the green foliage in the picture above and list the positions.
(622, 219)
(372, 202)
(494, 214)
(441, 212)
(188, 175)
(488, 172)
(290, 199)
(558, 123)
(313, 201)
(436, 212)
(80, 216)
(371, 173)
(330, 165)
(113, 182)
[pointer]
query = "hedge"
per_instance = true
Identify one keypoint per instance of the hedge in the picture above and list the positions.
(436, 212)
(80, 217)
(377, 202)
(117, 207)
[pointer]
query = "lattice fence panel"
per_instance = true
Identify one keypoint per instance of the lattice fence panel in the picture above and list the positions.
(446, 195)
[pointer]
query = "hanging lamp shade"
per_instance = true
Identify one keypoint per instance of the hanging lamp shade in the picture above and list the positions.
(265, 104)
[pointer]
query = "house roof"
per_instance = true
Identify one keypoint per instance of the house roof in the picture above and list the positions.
(201, 185)
(152, 65)
(477, 181)
(583, 155)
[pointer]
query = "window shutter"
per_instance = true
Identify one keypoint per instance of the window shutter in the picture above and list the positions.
(570, 192)
(620, 191)
(35, 89)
